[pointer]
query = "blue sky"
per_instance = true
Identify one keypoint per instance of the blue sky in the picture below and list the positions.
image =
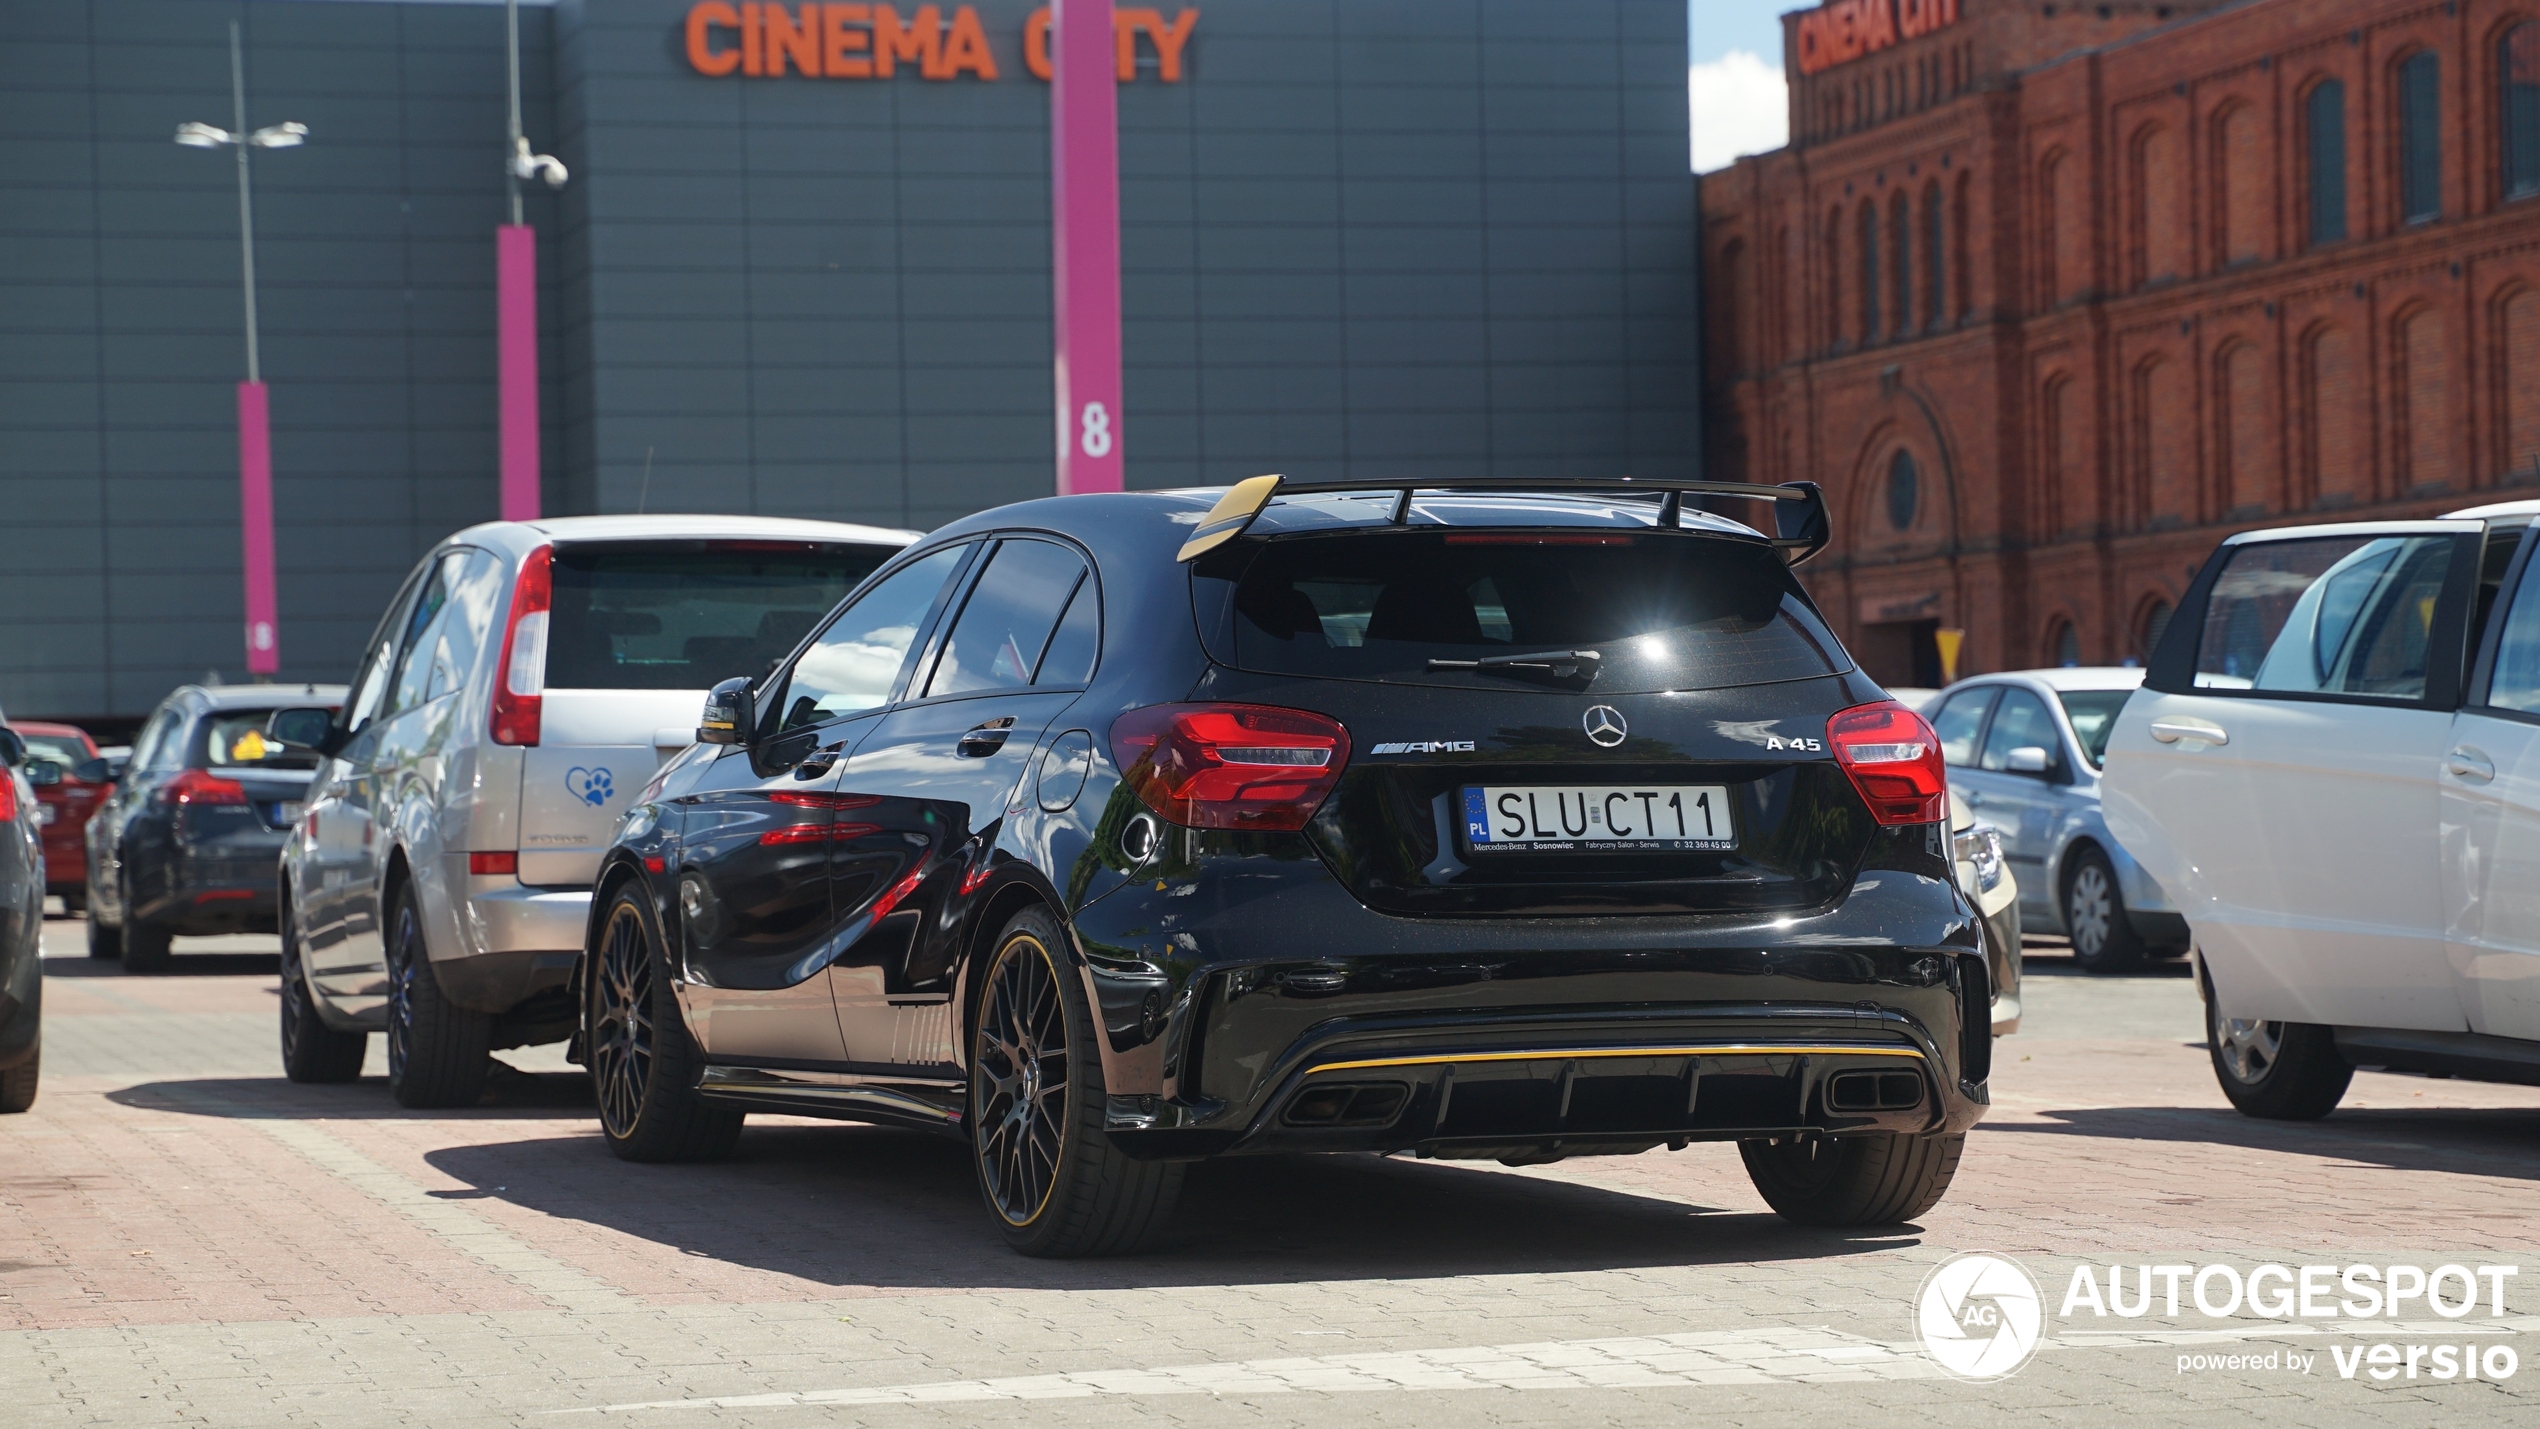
(1734, 84)
(1755, 26)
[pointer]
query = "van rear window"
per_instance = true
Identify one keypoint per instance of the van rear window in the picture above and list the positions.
(1663, 611)
(687, 615)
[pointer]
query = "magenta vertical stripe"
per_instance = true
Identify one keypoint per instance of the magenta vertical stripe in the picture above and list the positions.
(255, 529)
(1085, 242)
(516, 336)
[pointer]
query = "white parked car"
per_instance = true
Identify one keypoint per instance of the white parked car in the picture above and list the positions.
(523, 686)
(2334, 767)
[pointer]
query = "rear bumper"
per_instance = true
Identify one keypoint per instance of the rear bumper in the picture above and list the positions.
(519, 942)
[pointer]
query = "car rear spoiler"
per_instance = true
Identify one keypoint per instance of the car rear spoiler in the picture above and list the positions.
(1800, 527)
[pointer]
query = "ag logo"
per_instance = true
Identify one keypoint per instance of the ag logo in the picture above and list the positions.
(1980, 1316)
(1605, 726)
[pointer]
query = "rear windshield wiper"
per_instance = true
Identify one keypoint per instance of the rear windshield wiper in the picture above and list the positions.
(1559, 664)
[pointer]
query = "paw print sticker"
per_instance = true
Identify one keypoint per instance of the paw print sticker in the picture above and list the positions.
(591, 786)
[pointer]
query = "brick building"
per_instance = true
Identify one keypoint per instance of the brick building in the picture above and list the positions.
(2052, 297)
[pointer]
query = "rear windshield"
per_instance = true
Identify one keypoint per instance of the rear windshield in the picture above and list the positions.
(1663, 611)
(62, 751)
(235, 739)
(2094, 714)
(688, 615)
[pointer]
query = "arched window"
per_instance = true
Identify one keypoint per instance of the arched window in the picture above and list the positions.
(1904, 490)
(1962, 275)
(1935, 258)
(1834, 278)
(2518, 107)
(2420, 138)
(2063, 644)
(1900, 221)
(2324, 114)
(2156, 623)
(1869, 272)
(2240, 198)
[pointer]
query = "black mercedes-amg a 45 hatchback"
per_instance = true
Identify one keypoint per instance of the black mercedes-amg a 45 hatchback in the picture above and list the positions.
(1499, 820)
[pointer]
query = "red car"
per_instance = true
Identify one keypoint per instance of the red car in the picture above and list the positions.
(63, 803)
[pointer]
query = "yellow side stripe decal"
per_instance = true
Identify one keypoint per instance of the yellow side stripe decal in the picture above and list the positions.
(1742, 1050)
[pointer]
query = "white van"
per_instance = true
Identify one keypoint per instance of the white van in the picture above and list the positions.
(525, 683)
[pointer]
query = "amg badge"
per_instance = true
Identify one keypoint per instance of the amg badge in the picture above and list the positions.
(1426, 746)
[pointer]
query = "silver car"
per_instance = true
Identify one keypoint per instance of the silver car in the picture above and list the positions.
(524, 684)
(2025, 749)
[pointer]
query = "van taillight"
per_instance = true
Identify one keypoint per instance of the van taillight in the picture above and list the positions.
(1894, 760)
(1230, 766)
(521, 686)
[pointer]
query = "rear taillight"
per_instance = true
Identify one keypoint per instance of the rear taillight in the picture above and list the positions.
(1894, 760)
(519, 695)
(1230, 766)
(487, 865)
(8, 798)
(201, 786)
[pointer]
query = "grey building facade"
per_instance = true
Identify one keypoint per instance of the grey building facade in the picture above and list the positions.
(1370, 236)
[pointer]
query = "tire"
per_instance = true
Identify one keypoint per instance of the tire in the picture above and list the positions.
(75, 901)
(145, 947)
(2095, 918)
(1051, 1177)
(644, 1066)
(311, 1050)
(437, 1050)
(104, 942)
(1879, 1179)
(2281, 1071)
(17, 1085)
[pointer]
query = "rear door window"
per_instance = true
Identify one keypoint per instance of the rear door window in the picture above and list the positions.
(1663, 611)
(2332, 615)
(683, 615)
(1004, 626)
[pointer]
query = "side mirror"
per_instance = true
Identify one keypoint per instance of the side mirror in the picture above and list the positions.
(305, 728)
(104, 769)
(730, 713)
(12, 747)
(43, 775)
(2028, 759)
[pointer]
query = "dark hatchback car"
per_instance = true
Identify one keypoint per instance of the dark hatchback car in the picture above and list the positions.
(188, 843)
(21, 931)
(1114, 832)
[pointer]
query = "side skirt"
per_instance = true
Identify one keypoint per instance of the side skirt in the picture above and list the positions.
(927, 1103)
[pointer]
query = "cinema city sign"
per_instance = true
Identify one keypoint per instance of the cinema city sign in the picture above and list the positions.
(1845, 30)
(872, 42)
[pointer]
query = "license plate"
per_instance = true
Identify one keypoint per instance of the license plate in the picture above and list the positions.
(44, 813)
(1598, 818)
(286, 814)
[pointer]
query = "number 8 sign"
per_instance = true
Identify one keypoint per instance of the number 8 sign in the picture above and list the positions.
(1094, 437)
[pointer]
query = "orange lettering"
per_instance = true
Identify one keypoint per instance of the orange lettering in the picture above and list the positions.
(839, 35)
(921, 39)
(1036, 43)
(750, 39)
(787, 39)
(1125, 25)
(702, 56)
(1169, 40)
(966, 48)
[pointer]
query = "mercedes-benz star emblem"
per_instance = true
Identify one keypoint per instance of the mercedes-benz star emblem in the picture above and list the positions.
(1605, 726)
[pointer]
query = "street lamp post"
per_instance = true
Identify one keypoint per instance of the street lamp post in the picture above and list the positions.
(516, 304)
(255, 438)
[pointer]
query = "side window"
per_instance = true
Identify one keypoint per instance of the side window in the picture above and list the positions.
(1959, 722)
(2516, 682)
(413, 661)
(1078, 643)
(2022, 721)
(2346, 615)
(997, 642)
(155, 740)
(370, 679)
(455, 640)
(856, 661)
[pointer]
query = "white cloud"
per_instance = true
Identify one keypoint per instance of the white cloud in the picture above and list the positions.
(1741, 105)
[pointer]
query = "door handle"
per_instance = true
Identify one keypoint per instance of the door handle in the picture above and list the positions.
(2173, 728)
(820, 761)
(2470, 765)
(986, 739)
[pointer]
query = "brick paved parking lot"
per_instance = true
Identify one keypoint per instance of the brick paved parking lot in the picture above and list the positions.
(187, 1238)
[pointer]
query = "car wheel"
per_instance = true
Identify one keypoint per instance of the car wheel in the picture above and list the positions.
(2283, 1071)
(1874, 1180)
(2094, 917)
(644, 1066)
(104, 941)
(146, 947)
(17, 1085)
(436, 1050)
(1050, 1175)
(311, 1050)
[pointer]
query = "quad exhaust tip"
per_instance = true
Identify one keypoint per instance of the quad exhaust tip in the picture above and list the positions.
(1874, 1091)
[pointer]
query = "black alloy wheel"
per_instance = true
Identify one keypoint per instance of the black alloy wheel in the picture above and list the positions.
(1047, 1169)
(1876, 1179)
(2095, 917)
(437, 1051)
(311, 1050)
(17, 1085)
(644, 1066)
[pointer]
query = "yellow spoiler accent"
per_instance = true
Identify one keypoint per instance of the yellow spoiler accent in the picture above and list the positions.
(1227, 519)
(1582, 1053)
